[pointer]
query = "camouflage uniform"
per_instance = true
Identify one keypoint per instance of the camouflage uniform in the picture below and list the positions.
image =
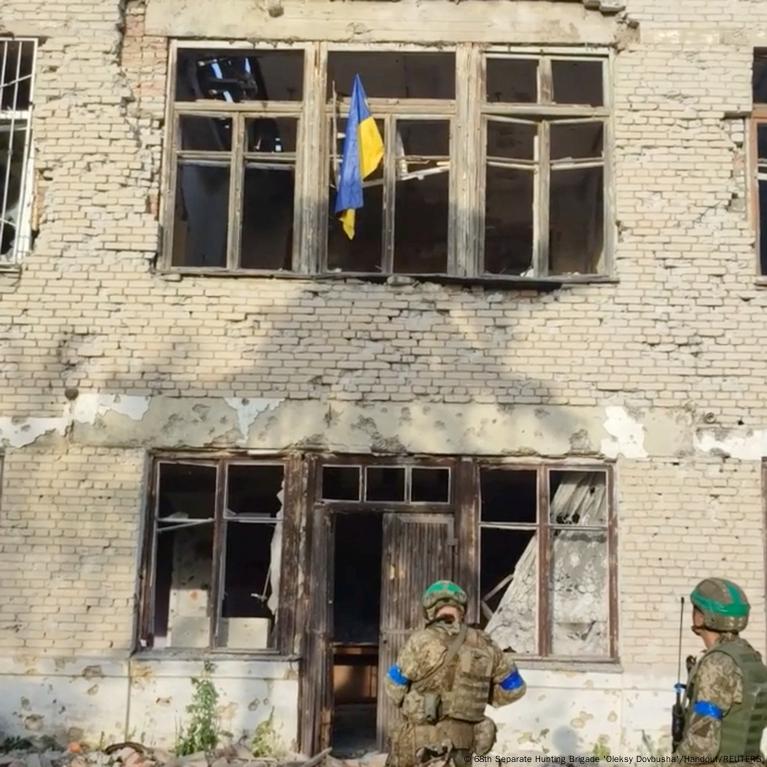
(716, 680)
(727, 688)
(442, 681)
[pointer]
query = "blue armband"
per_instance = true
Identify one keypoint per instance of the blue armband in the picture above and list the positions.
(512, 682)
(706, 708)
(396, 675)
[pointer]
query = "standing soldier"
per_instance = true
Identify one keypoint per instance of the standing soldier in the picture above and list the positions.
(445, 676)
(726, 696)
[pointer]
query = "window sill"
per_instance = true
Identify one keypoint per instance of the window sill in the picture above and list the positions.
(574, 665)
(547, 283)
(14, 269)
(761, 282)
(201, 654)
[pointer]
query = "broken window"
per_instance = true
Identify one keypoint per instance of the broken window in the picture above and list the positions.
(499, 170)
(215, 559)
(544, 129)
(235, 142)
(545, 560)
(403, 226)
(16, 90)
(760, 153)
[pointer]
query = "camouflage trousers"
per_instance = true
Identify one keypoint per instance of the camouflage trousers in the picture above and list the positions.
(448, 743)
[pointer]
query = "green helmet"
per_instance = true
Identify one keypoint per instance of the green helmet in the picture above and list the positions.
(723, 604)
(442, 593)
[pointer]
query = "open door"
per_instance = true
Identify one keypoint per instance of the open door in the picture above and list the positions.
(417, 550)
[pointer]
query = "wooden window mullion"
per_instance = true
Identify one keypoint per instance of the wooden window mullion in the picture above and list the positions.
(237, 172)
(542, 196)
(389, 194)
(219, 556)
(544, 593)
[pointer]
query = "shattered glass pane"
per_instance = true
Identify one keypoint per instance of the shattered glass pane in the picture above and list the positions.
(508, 587)
(254, 489)
(512, 80)
(578, 498)
(579, 593)
(237, 75)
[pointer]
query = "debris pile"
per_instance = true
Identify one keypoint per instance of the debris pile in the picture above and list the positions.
(137, 755)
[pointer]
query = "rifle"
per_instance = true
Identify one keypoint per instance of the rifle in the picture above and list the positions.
(677, 710)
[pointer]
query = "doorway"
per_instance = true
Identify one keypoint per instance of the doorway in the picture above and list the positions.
(356, 625)
(380, 534)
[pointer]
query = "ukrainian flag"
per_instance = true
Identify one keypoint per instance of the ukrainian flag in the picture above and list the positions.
(363, 151)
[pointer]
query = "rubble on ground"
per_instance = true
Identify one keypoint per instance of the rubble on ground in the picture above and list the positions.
(137, 755)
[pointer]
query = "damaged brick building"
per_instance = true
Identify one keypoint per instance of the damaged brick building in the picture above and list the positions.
(230, 433)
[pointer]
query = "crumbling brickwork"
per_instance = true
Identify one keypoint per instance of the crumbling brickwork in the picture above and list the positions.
(105, 357)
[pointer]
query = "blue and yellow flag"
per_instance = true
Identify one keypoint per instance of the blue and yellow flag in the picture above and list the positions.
(363, 151)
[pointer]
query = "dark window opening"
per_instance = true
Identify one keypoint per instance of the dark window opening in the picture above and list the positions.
(385, 483)
(577, 82)
(205, 134)
(509, 495)
(509, 228)
(576, 140)
(512, 80)
(576, 220)
(234, 76)
(358, 545)
(201, 215)
(508, 587)
(341, 483)
(430, 485)
(16, 63)
(12, 162)
(391, 75)
(759, 78)
(197, 545)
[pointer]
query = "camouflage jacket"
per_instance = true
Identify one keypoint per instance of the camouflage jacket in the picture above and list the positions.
(717, 681)
(419, 662)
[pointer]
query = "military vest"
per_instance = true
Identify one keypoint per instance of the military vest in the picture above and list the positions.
(742, 726)
(464, 683)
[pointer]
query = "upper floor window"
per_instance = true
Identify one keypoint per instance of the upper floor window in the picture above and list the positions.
(759, 149)
(17, 59)
(495, 164)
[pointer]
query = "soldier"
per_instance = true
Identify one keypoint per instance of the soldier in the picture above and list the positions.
(444, 677)
(726, 696)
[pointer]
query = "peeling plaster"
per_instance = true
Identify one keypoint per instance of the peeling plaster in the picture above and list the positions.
(249, 409)
(88, 407)
(19, 432)
(749, 445)
(627, 434)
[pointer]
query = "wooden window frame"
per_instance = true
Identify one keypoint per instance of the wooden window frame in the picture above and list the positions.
(285, 618)
(758, 118)
(544, 529)
(238, 113)
(467, 113)
(10, 118)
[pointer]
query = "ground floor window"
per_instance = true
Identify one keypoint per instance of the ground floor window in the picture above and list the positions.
(545, 573)
(213, 554)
